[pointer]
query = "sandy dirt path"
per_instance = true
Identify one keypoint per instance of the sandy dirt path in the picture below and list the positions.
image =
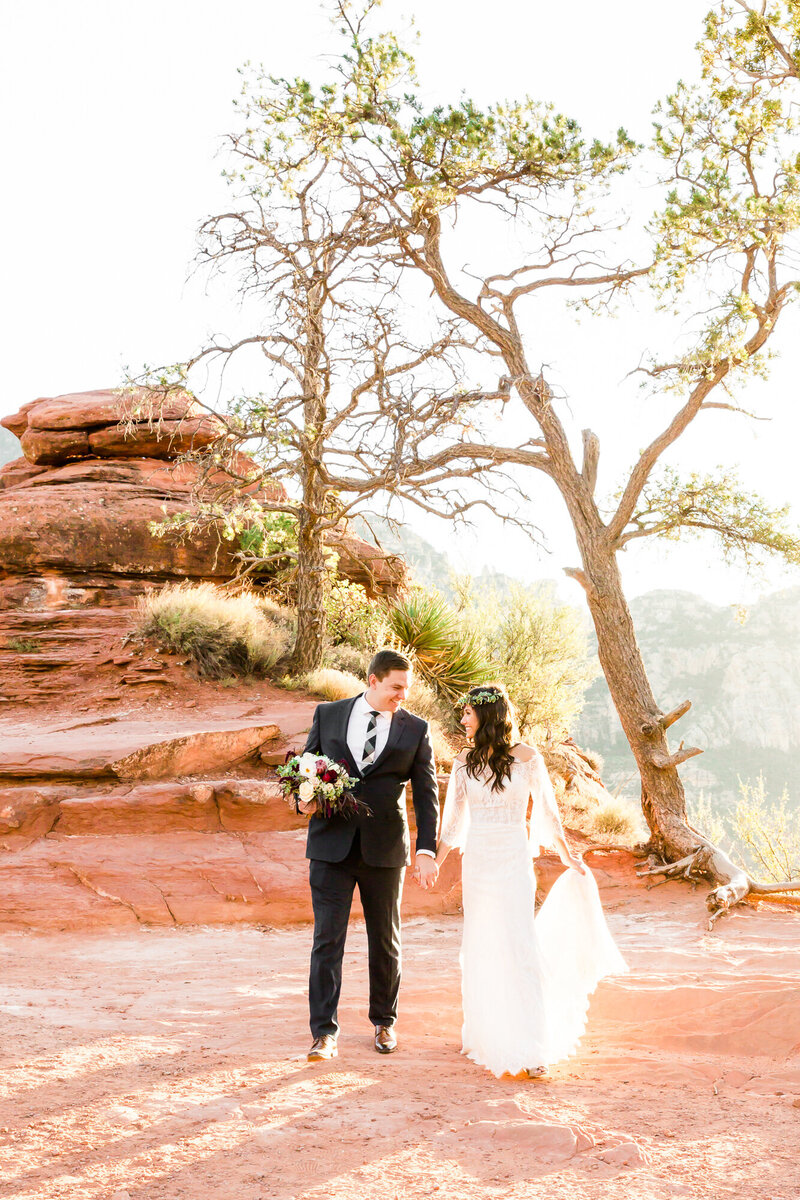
(160, 1064)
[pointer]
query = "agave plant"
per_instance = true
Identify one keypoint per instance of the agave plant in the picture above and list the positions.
(446, 657)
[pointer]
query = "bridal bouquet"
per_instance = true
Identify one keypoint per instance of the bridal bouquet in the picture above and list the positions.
(316, 777)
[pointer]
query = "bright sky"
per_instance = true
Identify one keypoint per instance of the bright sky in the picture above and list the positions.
(113, 114)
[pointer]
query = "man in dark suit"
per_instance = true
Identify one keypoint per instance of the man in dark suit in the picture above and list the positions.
(384, 747)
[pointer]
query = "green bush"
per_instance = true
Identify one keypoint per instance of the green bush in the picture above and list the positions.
(761, 835)
(767, 833)
(226, 636)
(23, 645)
(447, 657)
(537, 647)
(353, 619)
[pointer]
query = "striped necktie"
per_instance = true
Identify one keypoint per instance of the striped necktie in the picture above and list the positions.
(372, 737)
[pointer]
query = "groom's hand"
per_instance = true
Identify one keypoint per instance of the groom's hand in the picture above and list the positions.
(426, 871)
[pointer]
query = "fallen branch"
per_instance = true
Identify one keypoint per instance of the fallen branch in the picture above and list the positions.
(734, 885)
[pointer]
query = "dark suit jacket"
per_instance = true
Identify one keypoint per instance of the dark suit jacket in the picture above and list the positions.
(407, 755)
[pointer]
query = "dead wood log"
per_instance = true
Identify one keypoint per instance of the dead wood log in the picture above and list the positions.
(733, 884)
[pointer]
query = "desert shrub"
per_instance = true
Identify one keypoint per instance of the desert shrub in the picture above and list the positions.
(264, 534)
(443, 749)
(708, 820)
(226, 636)
(353, 618)
(616, 819)
(426, 703)
(759, 834)
(347, 658)
(537, 647)
(766, 833)
(446, 656)
(329, 684)
(593, 759)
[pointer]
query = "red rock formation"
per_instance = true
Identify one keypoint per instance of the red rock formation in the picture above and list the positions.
(77, 512)
(167, 440)
(48, 446)
(89, 839)
(379, 573)
(87, 410)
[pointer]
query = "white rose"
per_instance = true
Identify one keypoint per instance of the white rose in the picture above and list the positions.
(306, 791)
(308, 765)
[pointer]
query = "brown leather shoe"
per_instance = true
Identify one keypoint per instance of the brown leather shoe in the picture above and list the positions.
(385, 1041)
(323, 1047)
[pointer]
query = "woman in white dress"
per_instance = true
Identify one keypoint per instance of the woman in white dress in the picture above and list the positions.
(525, 983)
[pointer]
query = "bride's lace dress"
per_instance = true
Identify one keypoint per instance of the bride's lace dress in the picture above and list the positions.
(525, 983)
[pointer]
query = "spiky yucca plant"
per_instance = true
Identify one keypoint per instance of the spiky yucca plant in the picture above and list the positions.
(446, 657)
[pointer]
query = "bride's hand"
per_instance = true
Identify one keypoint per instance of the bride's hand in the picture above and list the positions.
(576, 862)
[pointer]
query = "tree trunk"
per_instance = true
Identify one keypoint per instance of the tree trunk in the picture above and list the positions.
(308, 647)
(644, 724)
(309, 642)
(680, 850)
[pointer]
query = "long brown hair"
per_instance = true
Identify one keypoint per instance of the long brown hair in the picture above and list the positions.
(495, 736)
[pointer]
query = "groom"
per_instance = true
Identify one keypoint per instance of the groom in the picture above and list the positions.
(384, 747)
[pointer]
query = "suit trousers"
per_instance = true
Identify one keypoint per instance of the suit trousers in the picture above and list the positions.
(332, 887)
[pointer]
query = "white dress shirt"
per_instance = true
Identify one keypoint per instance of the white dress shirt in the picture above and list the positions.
(357, 735)
(357, 730)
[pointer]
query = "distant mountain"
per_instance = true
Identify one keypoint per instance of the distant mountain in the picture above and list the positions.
(9, 446)
(431, 568)
(741, 670)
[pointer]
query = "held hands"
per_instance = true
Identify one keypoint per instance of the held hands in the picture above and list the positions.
(425, 872)
(306, 806)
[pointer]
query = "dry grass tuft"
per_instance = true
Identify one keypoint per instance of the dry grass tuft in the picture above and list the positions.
(329, 684)
(616, 820)
(226, 636)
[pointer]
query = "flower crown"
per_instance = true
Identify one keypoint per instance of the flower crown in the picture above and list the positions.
(481, 697)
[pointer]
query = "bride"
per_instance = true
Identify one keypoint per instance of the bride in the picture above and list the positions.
(525, 983)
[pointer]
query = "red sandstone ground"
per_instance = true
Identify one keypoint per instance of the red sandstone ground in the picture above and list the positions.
(170, 1063)
(164, 1063)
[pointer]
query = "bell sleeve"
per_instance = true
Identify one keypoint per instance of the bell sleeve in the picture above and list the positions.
(455, 820)
(546, 827)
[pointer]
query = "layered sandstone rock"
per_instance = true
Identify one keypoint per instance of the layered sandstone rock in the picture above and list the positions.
(99, 471)
(89, 839)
